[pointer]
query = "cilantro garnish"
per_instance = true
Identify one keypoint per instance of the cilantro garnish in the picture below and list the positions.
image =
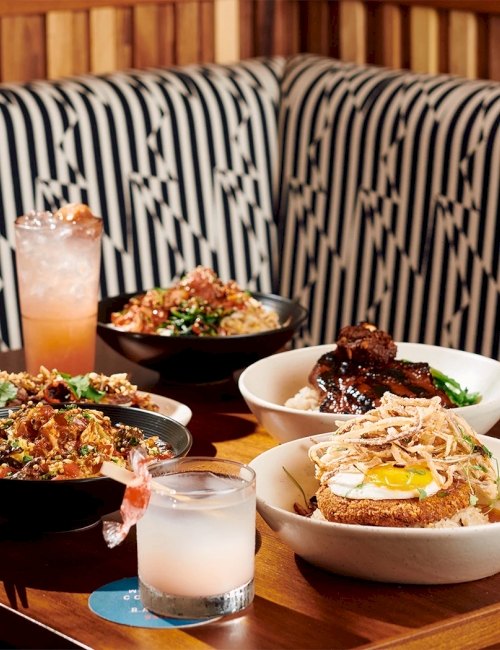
(422, 494)
(80, 385)
(26, 459)
(8, 392)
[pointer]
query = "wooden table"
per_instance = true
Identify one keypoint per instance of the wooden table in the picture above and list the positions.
(45, 582)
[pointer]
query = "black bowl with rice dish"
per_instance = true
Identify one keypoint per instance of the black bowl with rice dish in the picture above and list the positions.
(50, 456)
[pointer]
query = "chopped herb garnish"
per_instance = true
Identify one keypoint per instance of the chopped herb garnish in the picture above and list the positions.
(26, 459)
(356, 487)
(7, 424)
(297, 484)
(487, 451)
(421, 472)
(85, 450)
(422, 494)
(473, 500)
(133, 441)
(80, 385)
(8, 392)
(481, 467)
(14, 444)
(443, 494)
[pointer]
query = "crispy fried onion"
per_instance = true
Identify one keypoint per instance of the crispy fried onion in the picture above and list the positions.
(410, 432)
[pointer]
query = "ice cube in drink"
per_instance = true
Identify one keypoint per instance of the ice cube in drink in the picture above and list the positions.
(203, 547)
(58, 265)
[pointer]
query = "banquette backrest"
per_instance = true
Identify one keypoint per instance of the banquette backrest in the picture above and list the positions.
(181, 163)
(368, 194)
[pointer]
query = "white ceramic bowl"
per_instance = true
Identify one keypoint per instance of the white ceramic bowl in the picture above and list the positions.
(267, 384)
(404, 556)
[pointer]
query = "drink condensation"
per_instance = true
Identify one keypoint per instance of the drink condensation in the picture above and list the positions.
(58, 265)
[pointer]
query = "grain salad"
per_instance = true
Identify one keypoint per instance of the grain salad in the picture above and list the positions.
(46, 443)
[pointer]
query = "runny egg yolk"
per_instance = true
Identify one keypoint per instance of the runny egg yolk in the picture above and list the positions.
(399, 478)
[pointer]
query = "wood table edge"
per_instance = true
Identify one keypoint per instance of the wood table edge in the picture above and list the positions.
(34, 629)
(470, 631)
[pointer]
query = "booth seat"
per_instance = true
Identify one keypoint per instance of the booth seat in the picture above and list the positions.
(366, 193)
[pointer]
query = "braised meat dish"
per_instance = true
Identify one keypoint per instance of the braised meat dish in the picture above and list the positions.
(353, 377)
(41, 442)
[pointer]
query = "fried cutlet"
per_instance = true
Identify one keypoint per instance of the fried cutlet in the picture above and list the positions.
(398, 513)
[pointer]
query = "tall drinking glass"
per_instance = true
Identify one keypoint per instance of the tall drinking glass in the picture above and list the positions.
(58, 263)
(196, 550)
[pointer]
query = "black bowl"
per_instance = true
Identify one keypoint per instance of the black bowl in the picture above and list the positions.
(194, 359)
(76, 503)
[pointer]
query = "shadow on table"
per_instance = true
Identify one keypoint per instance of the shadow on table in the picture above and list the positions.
(77, 562)
(401, 605)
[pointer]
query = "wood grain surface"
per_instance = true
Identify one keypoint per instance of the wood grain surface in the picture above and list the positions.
(46, 580)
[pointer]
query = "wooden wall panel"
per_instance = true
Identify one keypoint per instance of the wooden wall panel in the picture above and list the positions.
(227, 31)
(67, 43)
(22, 48)
(57, 38)
(110, 39)
(494, 48)
(81, 46)
(207, 42)
(392, 25)
(246, 28)
(424, 25)
(463, 44)
(353, 31)
(60, 39)
(187, 33)
(166, 18)
(146, 40)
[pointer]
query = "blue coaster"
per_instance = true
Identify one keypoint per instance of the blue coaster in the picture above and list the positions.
(119, 602)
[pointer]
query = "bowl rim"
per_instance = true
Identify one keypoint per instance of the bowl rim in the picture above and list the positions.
(358, 528)
(294, 325)
(328, 346)
(80, 481)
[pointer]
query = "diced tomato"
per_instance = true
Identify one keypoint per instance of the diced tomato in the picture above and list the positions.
(4, 471)
(71, 469)
(58, 478)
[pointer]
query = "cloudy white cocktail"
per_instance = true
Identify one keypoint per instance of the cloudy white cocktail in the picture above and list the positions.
(196, 556)
(58, 264)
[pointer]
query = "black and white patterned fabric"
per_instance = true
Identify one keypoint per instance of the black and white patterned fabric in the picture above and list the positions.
(182, 164)
(390, 202)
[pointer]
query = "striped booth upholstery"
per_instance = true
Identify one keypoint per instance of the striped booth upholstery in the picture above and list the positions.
(182, 164)
(368, 194)
(390, 202)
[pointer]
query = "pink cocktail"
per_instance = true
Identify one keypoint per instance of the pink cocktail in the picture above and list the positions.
(58, 263)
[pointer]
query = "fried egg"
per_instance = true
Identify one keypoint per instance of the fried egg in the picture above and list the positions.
(385, 482)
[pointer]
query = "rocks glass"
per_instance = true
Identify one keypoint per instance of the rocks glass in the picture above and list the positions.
(196, 555)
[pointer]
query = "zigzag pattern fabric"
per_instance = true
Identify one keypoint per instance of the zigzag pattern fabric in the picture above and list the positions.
(182, 164)
(390, 202)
